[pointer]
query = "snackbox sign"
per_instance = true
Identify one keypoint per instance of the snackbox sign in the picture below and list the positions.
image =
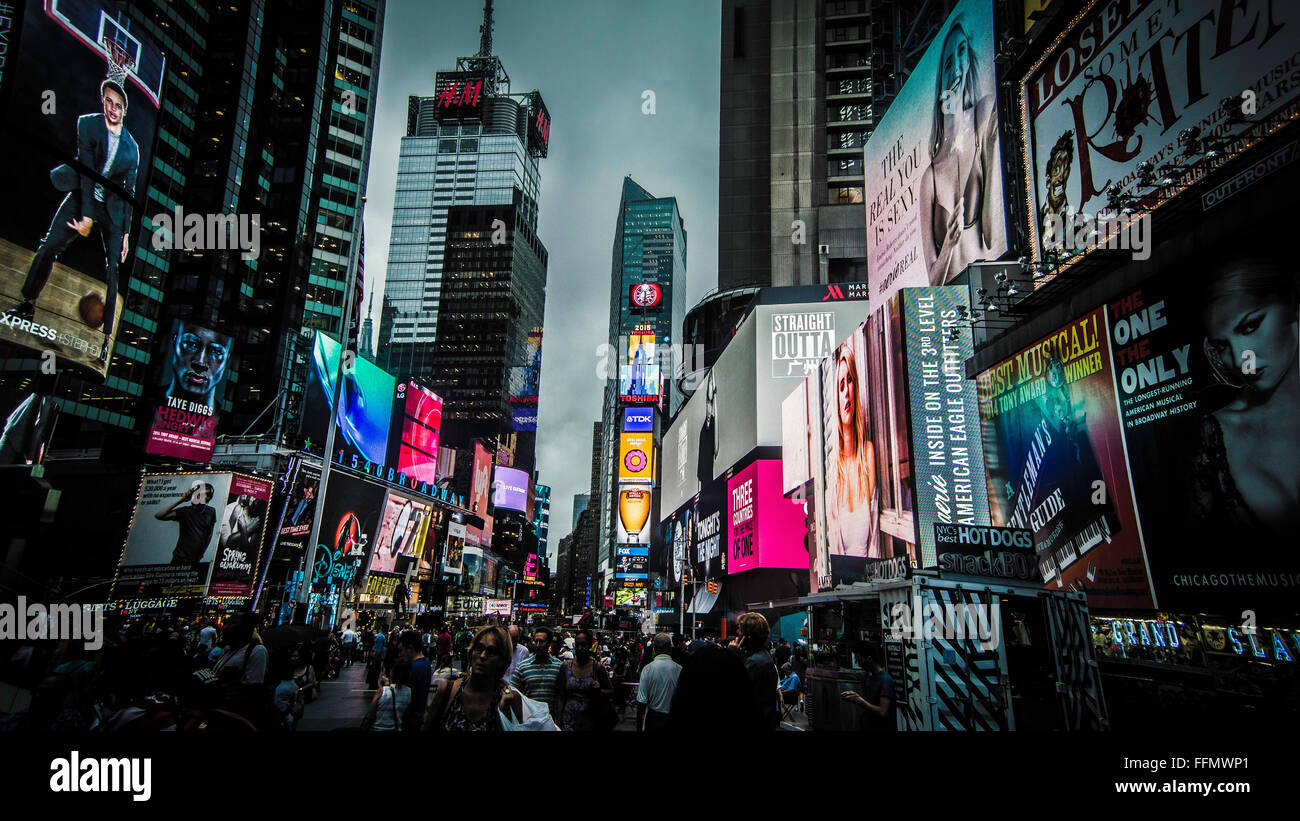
(983, 550)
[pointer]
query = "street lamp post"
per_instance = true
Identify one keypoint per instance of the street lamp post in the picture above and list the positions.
(305, 586)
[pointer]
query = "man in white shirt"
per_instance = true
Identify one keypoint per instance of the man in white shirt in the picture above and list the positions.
(349, 645)
(658, 683)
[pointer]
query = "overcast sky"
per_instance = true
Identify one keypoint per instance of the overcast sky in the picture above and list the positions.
(591, 60)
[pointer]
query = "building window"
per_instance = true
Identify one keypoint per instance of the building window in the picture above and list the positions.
(846, 196)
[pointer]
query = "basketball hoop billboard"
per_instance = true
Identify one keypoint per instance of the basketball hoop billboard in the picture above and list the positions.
(81, 109)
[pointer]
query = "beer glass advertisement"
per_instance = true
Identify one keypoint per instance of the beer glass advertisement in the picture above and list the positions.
(239, 547)
(185, 425)
(944, 408)
(633, 519)
(1126, 82)
(402, 532)
(79, 133)
(1206, 366)
(174, 535)
(295, 530)
(349, 521)
(1055, 461)
(934, 163)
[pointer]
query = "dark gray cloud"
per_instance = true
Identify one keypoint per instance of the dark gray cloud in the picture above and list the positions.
(591, 59)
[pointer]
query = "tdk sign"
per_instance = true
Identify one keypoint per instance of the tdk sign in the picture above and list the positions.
(638, 420)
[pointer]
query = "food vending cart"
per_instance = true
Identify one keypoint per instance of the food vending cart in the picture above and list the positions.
(964, 654)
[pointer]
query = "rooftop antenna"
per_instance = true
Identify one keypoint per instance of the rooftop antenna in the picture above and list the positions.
(485, 31)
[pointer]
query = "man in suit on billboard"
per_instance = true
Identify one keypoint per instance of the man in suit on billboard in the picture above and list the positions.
(104, 144)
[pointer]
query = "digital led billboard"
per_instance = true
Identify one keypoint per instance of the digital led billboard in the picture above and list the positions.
(194, 377)
(402, 531)
(639, 377)
(421, 425)
(83, 91)
(510, 489)
(764, 529)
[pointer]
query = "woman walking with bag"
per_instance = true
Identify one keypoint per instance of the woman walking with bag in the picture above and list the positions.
(391, 701)
(477, 702)
(585, 690)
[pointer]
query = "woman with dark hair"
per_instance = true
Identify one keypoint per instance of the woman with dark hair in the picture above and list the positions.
(958, 199)
(476, 702)
(713, 693)
(1247, 471)
(585, 690)
(854, 508)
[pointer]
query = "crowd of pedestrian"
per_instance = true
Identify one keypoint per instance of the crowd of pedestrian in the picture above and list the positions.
(163, 673)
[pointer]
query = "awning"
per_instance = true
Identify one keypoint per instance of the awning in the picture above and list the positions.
(704, 600)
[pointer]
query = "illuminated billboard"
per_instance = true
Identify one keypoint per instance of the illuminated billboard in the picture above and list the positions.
(421, 424)
(194, 377)
(1053, 437)
(530, 568)
(1087, 132)
(639, 377)
(365, 411)
(934, 163)
(636, 457)
(764, 529)
(192, 529)
(646, 296)
(481, 486)
(402, 531)
(510, 489)
(632, 524)
(84, 89)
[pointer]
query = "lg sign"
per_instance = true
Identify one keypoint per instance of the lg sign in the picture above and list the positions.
(638, 420)
(647, 295)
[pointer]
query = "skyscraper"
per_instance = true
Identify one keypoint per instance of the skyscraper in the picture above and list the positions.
(466, 276)
(646, 308)
(796, 112)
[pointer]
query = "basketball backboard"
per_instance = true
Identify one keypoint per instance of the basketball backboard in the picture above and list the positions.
(105, 31)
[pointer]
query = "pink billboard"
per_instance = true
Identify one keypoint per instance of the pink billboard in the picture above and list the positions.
(764, 529)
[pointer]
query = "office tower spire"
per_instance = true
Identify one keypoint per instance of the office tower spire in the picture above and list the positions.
(485, 37)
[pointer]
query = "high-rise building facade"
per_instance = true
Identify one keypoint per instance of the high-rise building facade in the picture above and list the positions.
(466, 276)
(803, 83)
(649, 250)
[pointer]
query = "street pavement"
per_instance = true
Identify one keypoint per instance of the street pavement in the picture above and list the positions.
(342, 703)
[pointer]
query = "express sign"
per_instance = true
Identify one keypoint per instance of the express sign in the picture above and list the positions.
(646, 295)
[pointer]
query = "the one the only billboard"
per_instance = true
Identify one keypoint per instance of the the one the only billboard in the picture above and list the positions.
(183, 522)
(632, 524)
(764, 529)
(1125, 83)
(194, 376)
(1056, 464)
(1205, 365)
(83, 83)
(934, 163)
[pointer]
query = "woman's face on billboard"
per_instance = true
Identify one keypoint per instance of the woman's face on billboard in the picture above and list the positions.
(848, 393)
(955, 60)
(1264, 326)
